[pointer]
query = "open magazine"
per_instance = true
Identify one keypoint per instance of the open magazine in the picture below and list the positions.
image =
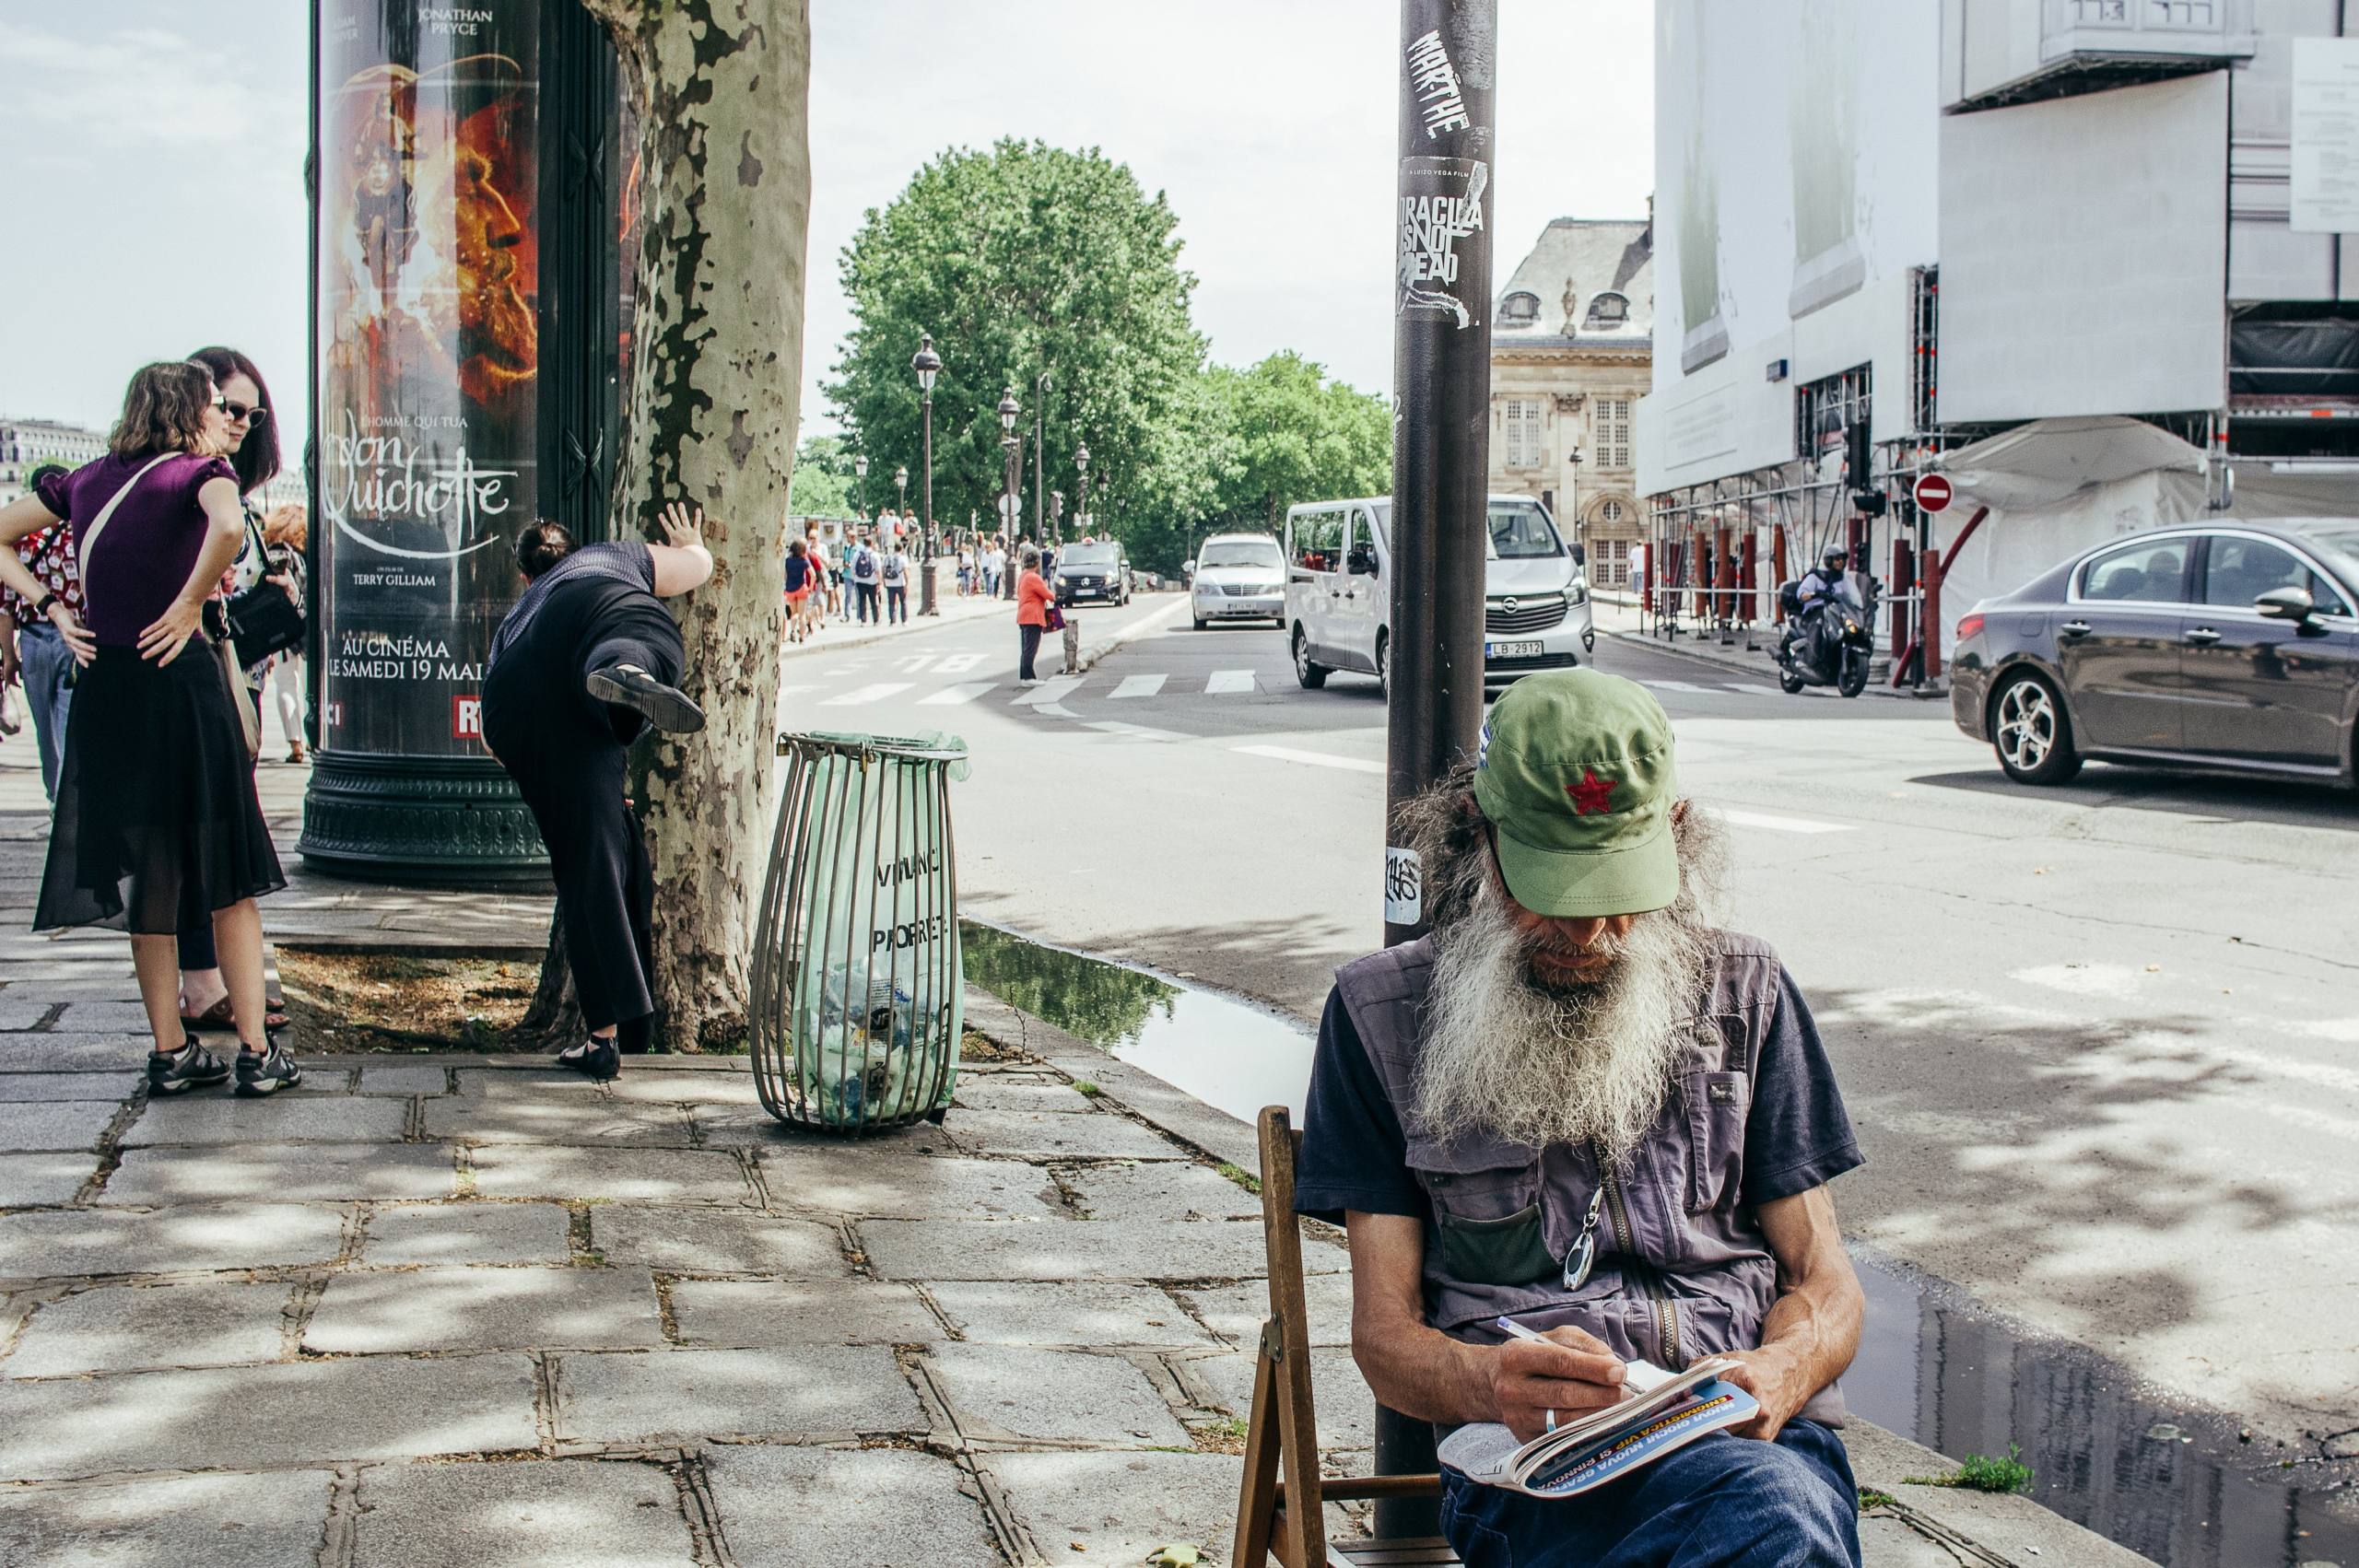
(1664, 1410)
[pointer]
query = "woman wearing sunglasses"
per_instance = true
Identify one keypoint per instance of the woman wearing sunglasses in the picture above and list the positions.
(253, 453)
(157, 823)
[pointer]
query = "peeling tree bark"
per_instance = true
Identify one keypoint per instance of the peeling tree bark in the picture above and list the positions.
(721, 88)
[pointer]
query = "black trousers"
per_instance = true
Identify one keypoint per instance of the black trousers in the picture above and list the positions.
(567, 753)
(864, 595)
(1030, 636)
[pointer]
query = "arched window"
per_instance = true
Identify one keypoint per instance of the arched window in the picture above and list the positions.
(1611, 513)
(1521, 309)
(1609, 309)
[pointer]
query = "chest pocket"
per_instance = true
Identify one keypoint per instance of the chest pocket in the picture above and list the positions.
(1718, 1104)
(1487, 1214)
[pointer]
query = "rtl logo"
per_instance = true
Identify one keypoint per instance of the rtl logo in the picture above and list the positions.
(466, 717)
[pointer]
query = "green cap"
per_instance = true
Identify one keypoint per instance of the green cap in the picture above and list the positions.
(1575, 776)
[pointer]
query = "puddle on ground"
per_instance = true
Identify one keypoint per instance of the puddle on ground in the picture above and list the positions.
(1227, 1053)
(2167, 1480)
(2105, 1450)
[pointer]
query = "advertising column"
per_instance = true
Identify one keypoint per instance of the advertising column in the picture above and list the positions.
(428, 388)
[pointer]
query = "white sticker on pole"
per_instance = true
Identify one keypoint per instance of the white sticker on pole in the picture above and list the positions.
(1404, 887)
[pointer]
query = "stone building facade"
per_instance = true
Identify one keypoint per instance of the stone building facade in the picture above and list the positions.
(1572, 351)
(29, 444)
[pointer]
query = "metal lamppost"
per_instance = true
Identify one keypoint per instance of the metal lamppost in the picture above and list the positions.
(1011, 444)
(928, 364)
(901, 479)
(860, 471)
(1080, 466)
(1039, 457)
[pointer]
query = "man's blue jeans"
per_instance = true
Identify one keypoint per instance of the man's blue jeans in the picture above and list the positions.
(48, 692)
(1721, 1501)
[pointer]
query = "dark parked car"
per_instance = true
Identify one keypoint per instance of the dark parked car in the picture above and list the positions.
(2231, 644)
(1099, 572)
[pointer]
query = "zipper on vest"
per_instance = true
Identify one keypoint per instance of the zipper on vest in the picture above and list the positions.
(1666, 1316)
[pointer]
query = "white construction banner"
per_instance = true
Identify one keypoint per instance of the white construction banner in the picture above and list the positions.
(2326, 135)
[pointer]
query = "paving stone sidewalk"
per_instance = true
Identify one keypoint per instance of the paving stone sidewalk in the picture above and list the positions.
(475, 1309)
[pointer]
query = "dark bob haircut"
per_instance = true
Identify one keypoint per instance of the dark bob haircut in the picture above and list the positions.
(542, 545)
(257, 462)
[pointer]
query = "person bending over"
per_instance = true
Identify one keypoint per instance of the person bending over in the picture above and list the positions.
(1580, 1105)
(587, 659)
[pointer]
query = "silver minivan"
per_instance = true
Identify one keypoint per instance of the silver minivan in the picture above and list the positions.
(1339, 590)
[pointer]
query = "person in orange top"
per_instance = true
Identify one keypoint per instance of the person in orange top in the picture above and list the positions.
(1036, 602)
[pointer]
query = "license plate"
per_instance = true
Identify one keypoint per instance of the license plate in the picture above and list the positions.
(1513, 649)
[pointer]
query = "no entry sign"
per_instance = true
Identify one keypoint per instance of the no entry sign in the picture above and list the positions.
(1933, 492)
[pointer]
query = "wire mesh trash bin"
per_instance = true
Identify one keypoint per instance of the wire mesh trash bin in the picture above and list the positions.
(857, 990)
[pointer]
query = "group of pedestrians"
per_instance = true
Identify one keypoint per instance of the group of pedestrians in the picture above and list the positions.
(863, 580)
(980, 566)
(119, 576)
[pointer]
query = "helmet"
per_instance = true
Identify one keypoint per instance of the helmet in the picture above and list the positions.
(1834, 555)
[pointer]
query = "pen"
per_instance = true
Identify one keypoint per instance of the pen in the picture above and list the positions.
(1510, 1325)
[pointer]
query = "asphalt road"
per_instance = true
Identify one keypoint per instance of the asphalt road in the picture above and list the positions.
(2101, 1042)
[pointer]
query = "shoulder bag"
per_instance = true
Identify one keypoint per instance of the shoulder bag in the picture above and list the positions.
(264, 619)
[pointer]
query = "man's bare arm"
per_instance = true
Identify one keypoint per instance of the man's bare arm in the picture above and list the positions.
(1421, 1372)
(1812, 1328)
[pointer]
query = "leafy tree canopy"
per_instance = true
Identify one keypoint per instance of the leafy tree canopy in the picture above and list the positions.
(1285, 433)
(824, 484)
(1021, 259)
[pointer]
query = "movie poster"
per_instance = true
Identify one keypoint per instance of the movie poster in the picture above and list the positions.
(429, 277)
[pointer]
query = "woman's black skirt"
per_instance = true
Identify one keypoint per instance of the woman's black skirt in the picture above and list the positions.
(157, 823)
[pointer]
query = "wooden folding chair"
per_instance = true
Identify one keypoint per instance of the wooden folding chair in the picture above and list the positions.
(1285, 1516)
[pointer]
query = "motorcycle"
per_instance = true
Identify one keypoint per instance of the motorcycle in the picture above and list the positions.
(1833, 647)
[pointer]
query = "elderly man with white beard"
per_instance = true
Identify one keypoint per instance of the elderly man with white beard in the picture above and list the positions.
(1580, 1106)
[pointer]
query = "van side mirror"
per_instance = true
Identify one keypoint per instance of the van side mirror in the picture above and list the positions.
(2293, 604)
(1580, 554)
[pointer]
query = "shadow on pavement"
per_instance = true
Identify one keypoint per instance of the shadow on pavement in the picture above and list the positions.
(2222, 797)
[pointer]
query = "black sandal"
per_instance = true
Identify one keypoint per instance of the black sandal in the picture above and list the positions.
(595, 1058)
(218, 1017)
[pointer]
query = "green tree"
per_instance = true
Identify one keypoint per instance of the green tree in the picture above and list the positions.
(825, 484)
(1021, 259)
(1288, 434)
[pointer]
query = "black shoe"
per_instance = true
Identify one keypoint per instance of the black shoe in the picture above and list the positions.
(190, 1067)
(666, 708)
(266, 1072)
(594, 1058)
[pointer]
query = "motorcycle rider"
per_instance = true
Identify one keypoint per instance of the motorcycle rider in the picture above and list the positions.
(1813, 594)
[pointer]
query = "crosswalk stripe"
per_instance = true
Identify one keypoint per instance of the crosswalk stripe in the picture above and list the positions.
(1131, 731)
(1224, 681)
(859, 695)
(1675, 685)
(1316, 759)
(1046, 692)
(1140, 686)
(949, 697)
(1781, 823)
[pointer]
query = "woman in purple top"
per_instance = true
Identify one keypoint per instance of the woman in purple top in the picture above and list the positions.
(157, 822)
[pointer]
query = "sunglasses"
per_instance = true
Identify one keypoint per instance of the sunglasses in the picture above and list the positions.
(254, 413)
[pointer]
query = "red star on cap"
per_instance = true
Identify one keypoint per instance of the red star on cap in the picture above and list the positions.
(1592, 794)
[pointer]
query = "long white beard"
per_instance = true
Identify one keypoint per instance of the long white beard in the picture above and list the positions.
(1548, 1065)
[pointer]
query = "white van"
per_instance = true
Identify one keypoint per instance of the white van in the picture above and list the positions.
(1339, 591)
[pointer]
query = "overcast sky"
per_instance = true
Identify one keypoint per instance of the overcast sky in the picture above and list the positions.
(159, 169)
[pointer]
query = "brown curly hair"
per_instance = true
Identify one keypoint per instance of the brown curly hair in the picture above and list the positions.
(163, 410)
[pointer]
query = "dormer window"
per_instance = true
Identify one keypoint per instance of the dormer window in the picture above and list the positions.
(1520, 308)
(1609, 309)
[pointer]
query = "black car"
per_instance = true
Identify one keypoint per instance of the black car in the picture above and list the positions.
(2231, 644)
(1099, 572)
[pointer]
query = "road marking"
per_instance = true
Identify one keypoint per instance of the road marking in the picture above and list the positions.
(1140, 686)
(1316, 759)
(1674, 685)
(1225, 680)
(957, 663)
(1781, 823)
(1134, 732)
(1755, 687)
(914, 663)
(859, 695)
(950, 696)
(1046, 692)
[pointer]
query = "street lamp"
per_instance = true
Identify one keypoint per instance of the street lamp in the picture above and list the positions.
(901, 478)
(860, 470)
(1080, 466)
(1039, 455)
(1010, 443)
(927, 364)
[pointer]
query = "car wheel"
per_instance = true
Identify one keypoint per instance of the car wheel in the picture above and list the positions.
(1309, 674)
(2031, 732)
(1384, 665)
(1200, 623)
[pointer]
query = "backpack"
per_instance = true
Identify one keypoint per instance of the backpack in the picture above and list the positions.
(863, 564)
(892, 569)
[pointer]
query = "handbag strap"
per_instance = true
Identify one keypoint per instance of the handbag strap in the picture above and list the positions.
(98, 524)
